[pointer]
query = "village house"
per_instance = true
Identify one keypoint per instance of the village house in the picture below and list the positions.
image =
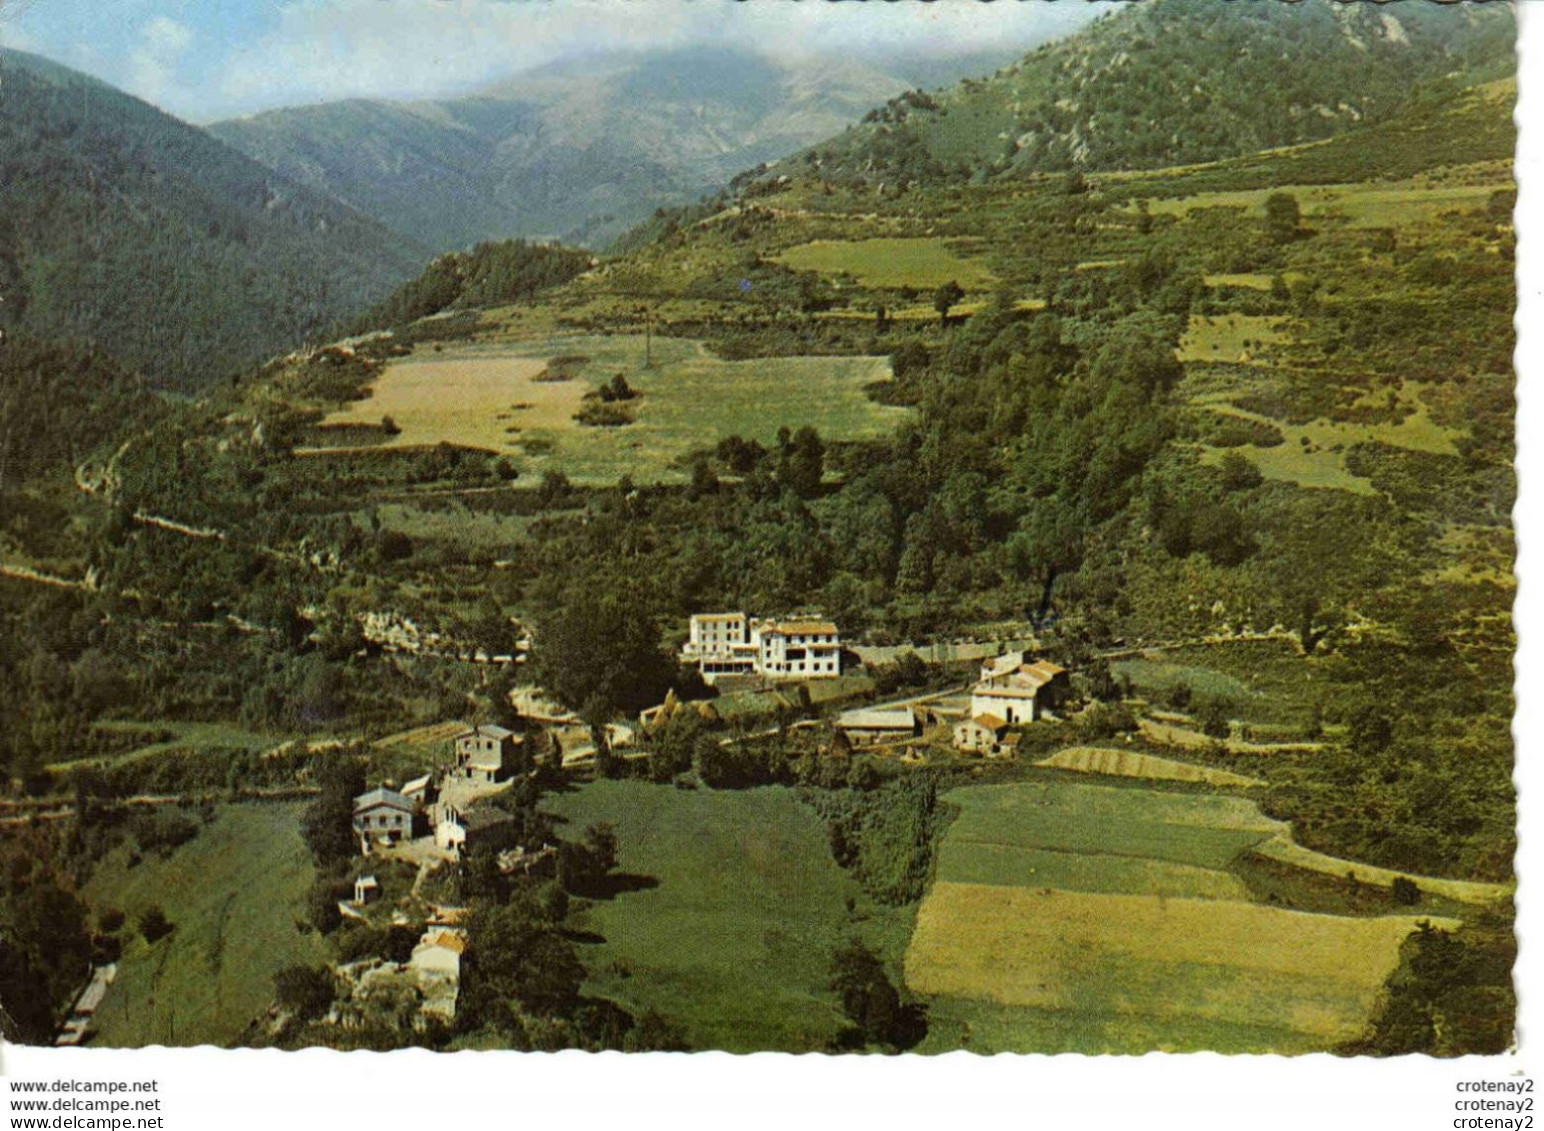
(383, 816)
(1020, 692)
(373, 988)
(487, 753)
(733, 644)
(987, 735)
(878, 726)
(460, 830)
(422, 792)
(436, 965)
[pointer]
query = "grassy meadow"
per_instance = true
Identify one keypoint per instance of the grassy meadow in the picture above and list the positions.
(233, 894)
(492, 397)
(1307, 980)
(738, 908)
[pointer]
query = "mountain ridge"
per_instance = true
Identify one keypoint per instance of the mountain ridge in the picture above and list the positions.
(124, 226)
(583, 145)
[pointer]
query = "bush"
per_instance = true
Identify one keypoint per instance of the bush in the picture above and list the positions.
(154, 925)
(304, 990)
(1214, 719)
(597, 414)
(162, 831)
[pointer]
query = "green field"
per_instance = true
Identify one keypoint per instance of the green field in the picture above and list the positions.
(735, 941)
(1113, 825)
(1158, 677)
(1076, 917)
(486, 397)
(1229, 337)
(1395, 204)
(1312, 454)
(920, 263)
(233, 894)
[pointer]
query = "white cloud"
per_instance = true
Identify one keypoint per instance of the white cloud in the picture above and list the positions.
(324, 49)
(152, 63)
(12, 33)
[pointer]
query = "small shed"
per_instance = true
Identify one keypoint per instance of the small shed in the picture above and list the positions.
(367, 889)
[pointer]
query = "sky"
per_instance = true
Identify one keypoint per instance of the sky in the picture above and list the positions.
(209, 59)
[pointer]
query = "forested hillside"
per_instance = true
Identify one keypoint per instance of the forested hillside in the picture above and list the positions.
(1171, 82)
(125, 227)
(491, 274)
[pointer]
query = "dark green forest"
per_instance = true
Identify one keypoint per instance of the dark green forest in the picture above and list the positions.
(121, 226)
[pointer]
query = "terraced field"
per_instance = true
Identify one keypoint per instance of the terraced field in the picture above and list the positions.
(1312, 454)
(1393, 204)
(1087, 917)
(1130, 764)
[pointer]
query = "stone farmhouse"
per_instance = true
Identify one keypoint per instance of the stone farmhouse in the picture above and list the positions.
(733, 644)
(986, 735)
(487, 753)
(1016, 690)
(459, 830)
(383, 816)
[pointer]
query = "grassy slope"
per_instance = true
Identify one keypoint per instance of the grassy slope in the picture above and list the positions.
(233, 893)
(736, 939)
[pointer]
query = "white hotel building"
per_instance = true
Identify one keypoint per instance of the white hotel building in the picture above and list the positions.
(723, 644)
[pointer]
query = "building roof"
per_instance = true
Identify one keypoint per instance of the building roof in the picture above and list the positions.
(1043, 670)
(811, 626)
(990, 722)
(1003, 665)
(483, 817)
(487, 730)
(367, 881)
(382, 796)
(1006, 691)
(717, 616)
(450, 939)
(877, 719)
(417, 785)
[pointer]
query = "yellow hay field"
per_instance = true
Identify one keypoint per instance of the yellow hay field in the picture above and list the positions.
(471, 401)
(1130, 764)
(1224, 961)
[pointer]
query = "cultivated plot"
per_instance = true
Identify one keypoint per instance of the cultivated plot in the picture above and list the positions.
(1104, 917)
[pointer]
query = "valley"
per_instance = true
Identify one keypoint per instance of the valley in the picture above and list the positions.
(1150, 498)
